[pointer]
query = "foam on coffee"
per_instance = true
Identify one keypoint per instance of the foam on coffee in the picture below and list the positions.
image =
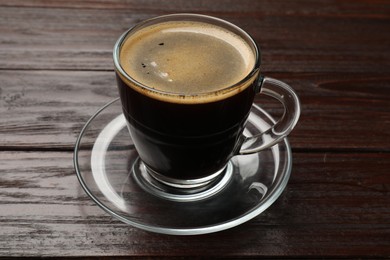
(187, 58)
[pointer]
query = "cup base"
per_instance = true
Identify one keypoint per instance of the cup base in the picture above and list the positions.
(181, 190)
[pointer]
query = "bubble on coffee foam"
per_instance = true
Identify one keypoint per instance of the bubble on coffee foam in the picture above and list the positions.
(159, 73)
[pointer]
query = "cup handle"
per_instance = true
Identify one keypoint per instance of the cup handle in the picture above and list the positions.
(292, 110)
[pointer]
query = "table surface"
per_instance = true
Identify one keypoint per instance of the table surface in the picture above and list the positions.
(56, 70)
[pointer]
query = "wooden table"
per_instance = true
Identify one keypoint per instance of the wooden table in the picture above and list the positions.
(56, 70)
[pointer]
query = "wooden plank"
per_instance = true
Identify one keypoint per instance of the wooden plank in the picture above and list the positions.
(334, 205)
(56, 70)
(339, 110)
(315, 37)
(36, 38)
(346, 111)
(378, 8)
(48, 109)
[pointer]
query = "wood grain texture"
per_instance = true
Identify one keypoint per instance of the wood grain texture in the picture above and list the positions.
(267, 7)
(294, 37)
(334, 205)
(56, 70)
(40, 108)
(47, 109)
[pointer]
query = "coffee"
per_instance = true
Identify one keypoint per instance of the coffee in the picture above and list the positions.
(184, 96)
(187, 58)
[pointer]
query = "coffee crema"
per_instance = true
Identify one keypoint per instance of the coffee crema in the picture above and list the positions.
(186, 61)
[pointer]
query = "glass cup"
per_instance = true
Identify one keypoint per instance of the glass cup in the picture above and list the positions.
(187, 145)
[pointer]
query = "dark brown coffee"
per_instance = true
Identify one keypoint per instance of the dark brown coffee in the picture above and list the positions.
(186, 122)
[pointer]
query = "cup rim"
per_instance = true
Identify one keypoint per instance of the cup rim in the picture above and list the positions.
(183, 17)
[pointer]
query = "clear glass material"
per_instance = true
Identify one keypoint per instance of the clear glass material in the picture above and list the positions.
(200, 150)
(123, 182)
(274, 88)
(109, 171)
(292, 110)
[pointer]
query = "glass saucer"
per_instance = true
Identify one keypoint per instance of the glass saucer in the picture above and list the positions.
(104, 158)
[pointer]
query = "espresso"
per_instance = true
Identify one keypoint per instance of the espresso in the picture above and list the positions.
(193, 132)
(186, 58)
